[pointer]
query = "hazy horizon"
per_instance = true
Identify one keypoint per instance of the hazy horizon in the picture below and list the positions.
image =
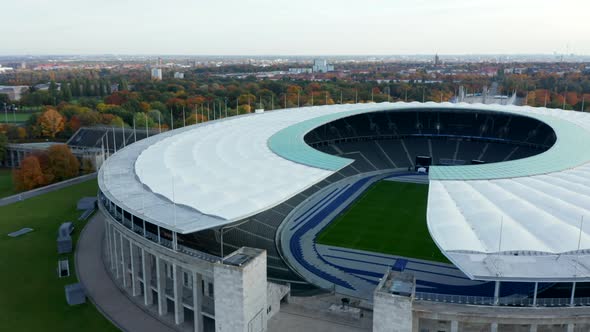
(305, 28)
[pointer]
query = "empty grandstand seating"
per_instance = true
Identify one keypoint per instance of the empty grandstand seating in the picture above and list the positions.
(107, 137)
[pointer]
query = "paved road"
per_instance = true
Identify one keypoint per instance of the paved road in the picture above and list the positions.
(102, 291)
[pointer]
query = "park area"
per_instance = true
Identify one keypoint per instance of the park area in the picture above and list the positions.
(32, 296)
(6, 187)
(389, 218)
(14, 117)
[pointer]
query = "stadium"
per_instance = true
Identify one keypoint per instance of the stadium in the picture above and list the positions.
(482, 204)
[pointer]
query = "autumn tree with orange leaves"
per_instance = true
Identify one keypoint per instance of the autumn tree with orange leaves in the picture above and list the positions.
(51, 123)
(62, 163)
(29, 175)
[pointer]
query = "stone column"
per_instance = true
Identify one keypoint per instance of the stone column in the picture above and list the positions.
(108, 232)
(161, 284)
(497, 293)
(454, 326)
(124, 263)
(116, 254)
(133, 255)
(494, 327)
(533, 328)
(147, 277)
(570, 327)
(178, 307)
(197, 302)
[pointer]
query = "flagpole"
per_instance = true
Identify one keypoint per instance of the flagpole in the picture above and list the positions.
(124, 138)
(114, 140)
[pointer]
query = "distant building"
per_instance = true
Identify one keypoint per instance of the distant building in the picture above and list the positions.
(321, 66)
(157, 74)
(46, 86)
(179, 75)
(436, 60)
(14, 92)
(300, 71)
(5, 69)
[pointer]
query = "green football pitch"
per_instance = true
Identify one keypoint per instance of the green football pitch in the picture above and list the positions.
(32, 297)
(389, 218)
(14, 118)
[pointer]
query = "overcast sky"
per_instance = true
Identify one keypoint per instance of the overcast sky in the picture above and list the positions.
(295, 27)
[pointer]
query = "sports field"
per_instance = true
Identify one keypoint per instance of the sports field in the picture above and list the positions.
(10, 117)
(32, 297)
(389, 218)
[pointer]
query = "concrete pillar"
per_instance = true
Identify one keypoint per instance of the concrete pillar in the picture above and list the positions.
(197, 302)
(533, 328)
(494, 327)
(497, 293)
(454, 326)
(133, 255)
(161, 284)
(116, 252)
(570, 327)
(573, 295)
(109, 243)
(178, 307)
(125, 272)
(113, 250)
(415, 323)
(146, 261)
(535, 294)
(174, 241)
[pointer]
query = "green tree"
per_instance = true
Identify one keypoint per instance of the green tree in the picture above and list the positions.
(66, 92)
(3, 144)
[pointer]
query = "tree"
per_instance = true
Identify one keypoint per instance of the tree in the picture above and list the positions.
(4, 98)
(3, 143)
(87, 165)
(66, 91)
(29, 175)
(51, 123)
(63, 164)
(21, 133)
(141, 119)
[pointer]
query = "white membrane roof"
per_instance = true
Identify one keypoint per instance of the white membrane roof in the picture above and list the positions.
(515, 220)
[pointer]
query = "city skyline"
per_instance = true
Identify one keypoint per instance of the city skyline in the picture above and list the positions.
(264, 27)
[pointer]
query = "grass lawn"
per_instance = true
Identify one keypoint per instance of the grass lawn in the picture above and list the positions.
(389, 218)
(32, 297)
(20, 117)
(6, 188)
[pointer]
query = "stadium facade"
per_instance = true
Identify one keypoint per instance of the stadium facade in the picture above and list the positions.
(509, 190)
